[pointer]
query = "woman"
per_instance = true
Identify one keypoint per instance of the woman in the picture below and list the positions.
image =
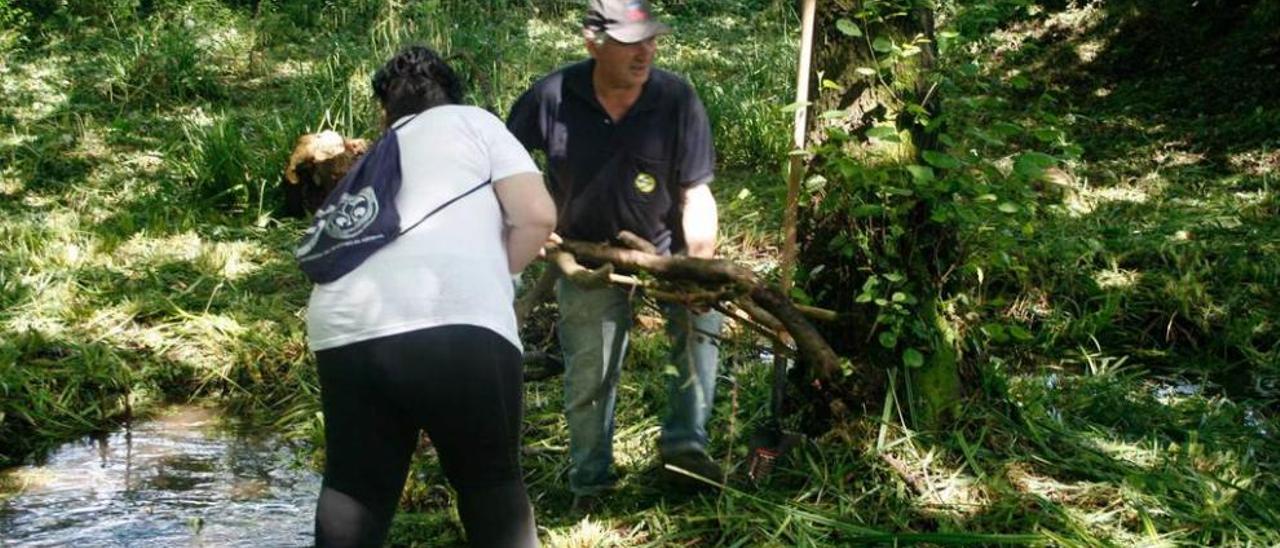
(422, 335)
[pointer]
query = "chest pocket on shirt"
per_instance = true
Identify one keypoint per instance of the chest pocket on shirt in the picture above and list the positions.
(646, 196)
(650, 179)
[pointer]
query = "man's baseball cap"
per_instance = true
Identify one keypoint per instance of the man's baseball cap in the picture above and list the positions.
(627, 21)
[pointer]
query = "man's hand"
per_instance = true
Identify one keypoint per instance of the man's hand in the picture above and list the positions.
(553, 241)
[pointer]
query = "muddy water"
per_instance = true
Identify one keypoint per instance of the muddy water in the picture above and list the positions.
(181, 479)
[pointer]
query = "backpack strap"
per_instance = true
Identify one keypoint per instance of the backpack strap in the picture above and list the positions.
(402, 124)
(444, 205)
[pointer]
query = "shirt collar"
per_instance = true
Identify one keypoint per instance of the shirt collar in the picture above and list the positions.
(578, 82)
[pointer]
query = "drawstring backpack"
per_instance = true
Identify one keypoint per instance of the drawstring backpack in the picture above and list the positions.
(359, 215)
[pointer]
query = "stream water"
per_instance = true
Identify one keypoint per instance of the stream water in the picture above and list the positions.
(183, 478)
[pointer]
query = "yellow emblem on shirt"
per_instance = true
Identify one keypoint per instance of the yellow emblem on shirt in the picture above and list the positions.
(645, 183)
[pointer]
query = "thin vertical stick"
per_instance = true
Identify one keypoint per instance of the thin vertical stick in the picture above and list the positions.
(796, 170)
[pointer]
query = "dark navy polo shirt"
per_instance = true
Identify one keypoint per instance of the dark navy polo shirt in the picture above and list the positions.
(629, 175)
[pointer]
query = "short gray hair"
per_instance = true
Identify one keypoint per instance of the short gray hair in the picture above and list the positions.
(597, 37)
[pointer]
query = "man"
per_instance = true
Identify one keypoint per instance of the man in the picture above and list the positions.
(628, 147)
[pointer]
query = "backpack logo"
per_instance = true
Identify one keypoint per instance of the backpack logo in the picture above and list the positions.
(352, 215)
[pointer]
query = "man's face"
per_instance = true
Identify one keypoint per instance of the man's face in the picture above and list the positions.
(621, 64)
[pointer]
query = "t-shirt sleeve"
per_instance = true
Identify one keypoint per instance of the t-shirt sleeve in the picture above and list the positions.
(524, 121)
(507, 156)
(696, 158)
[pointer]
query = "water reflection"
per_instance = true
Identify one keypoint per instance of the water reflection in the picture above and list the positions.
(179, 480)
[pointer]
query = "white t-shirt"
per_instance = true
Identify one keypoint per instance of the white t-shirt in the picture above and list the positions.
(451, 269)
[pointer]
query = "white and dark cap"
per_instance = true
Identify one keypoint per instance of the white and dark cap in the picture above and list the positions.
(627, 21)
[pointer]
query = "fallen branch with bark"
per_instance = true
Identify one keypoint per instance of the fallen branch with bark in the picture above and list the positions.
(700, 284)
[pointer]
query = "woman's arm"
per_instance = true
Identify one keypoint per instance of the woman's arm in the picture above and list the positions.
(530, 216)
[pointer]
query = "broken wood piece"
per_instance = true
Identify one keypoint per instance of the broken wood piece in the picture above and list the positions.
(637, 243)
(742, 317)
(760, 315)
(540, 292)
(810, 344)
(581, 275)
(815, 313)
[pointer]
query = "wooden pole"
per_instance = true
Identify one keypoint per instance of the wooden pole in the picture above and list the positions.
(796, 171)
(794, 175)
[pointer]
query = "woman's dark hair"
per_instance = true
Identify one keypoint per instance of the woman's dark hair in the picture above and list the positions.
(415, 80)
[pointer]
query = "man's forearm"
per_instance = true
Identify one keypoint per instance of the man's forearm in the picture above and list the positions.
(700, 222)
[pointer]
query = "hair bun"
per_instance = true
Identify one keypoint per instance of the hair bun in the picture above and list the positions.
(416, 71)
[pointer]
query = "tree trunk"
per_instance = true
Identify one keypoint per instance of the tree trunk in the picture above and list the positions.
(871, 87)
(868, 99)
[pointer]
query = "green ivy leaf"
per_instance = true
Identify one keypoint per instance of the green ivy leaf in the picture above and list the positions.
(795, 106)
(849, 28)
(1008, 207)
(882, 132)
(940, 160)
(1047, 135)
(798, 295)
(912, 358)
(882, 45)
(918, 110)
(888, 339)
(995, 332)
(1006, 129)
(1032, 164)
(1018, 333)
(986, 137)
(867, 210)
(922, 174)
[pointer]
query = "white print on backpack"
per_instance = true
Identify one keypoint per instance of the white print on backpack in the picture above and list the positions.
(352, 214)
(343, 221)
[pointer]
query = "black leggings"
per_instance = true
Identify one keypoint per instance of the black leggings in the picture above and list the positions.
(463, 385)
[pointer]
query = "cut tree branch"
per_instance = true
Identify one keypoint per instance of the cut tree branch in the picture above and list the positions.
(741, 285)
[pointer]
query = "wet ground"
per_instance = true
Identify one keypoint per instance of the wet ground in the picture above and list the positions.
(183, 478)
